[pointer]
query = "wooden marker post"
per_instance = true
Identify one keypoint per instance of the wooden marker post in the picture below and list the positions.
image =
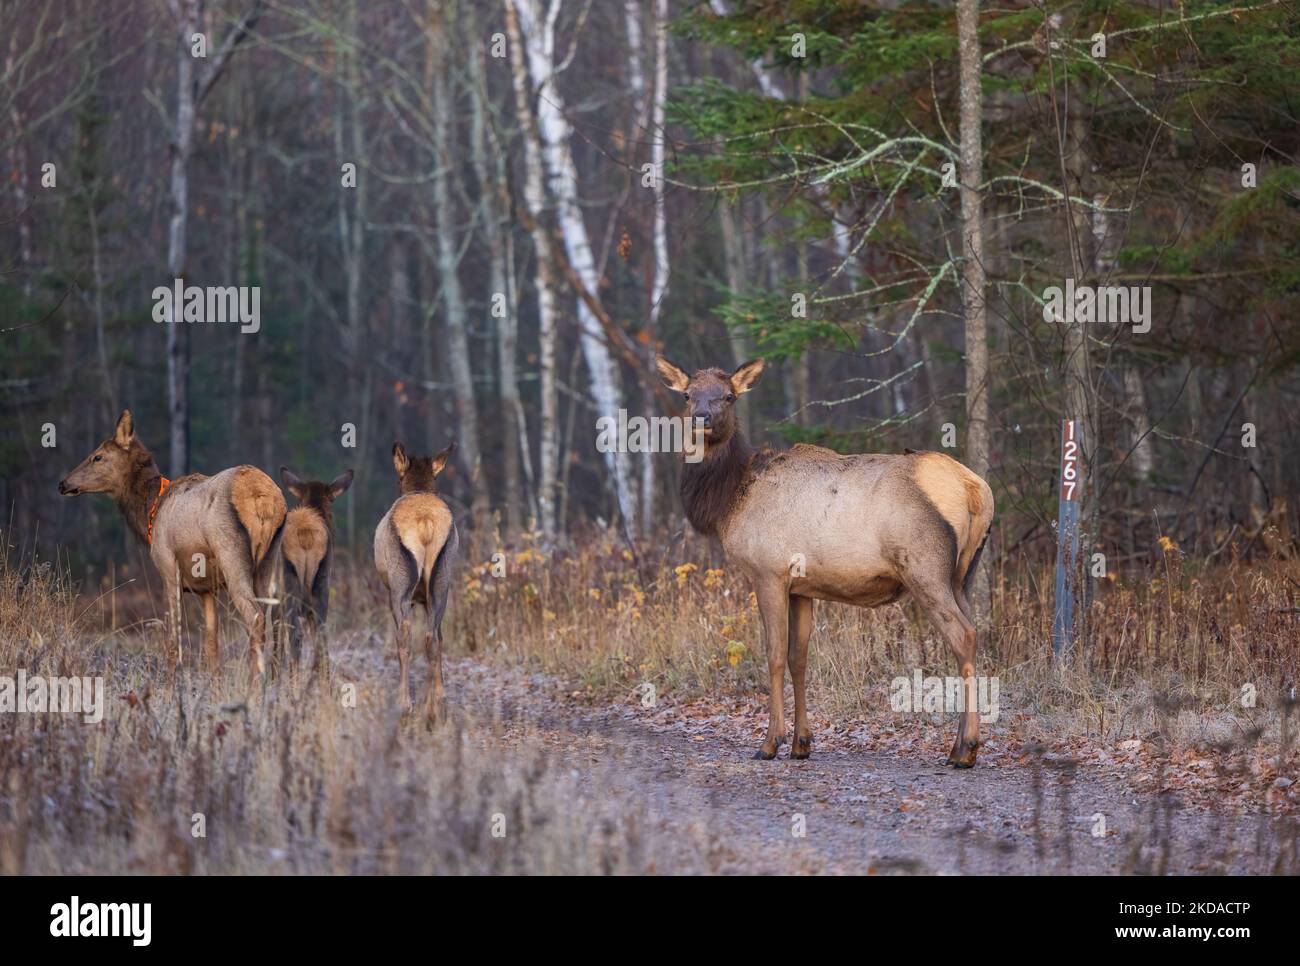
(1067, 538)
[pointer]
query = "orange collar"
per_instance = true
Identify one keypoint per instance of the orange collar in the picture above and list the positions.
(163, 483)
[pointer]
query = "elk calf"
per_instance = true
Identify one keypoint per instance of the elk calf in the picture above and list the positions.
(810, 524)
(415, 548)
(205, 533)
(308, 548)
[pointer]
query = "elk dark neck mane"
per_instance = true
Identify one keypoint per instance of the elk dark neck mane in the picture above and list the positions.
(711, 487)
(141, 490)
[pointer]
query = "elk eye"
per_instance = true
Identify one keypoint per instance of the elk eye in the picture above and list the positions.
(97, 458)
(731, 397)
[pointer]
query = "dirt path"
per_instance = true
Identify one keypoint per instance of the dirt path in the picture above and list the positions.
(864, 809)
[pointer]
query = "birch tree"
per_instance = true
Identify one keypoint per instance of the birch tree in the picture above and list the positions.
(537, 27)
(546, 274)
(194, 82)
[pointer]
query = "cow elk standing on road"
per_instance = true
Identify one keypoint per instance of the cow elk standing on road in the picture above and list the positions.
(308, 548)
(809, 524)
(204, 533)
(415, 548)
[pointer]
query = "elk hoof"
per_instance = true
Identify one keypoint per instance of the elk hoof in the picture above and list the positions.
(963, 755)
(802, 747)
(435, 712)
(764, 755)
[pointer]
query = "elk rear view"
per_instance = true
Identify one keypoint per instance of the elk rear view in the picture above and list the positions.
(308, 547)
(415, 547)
(204, 533)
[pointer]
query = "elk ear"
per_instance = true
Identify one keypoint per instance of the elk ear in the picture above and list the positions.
(743, 379)
(340, 485)
(125, 433)
(673, 377)
(292, 482)
(439, 461)
(401, 462)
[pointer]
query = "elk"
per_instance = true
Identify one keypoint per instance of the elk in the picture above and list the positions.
(415, 548)
(810, 524)
(308, 549)
(204, 533)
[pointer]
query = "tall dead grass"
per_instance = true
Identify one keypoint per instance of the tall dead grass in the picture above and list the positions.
(192, 773)
(611, 620)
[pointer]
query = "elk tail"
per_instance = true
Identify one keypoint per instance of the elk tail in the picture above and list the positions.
(260, 508)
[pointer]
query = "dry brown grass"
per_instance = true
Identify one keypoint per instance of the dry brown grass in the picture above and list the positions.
(289, 780)
(610, 621)
(292, 780)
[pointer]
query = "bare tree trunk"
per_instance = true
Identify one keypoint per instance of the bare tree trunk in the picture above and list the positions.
(546, 275)
(349, 142)
(490, 170)
(733, 247)
(18, 164)
(190, 93)
(659, 287)
(975, 308)
(400, 302)
(101, 347)
(178, 333)
(538, 30)
(453, 300)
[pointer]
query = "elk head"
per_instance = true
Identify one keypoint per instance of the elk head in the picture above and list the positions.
(321, 496)
(415, 474)
(711, 396)
(112, 464)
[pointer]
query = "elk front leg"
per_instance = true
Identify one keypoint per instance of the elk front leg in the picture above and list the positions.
(774, 605)
(175, 612)
(801, 618)
(211, 648)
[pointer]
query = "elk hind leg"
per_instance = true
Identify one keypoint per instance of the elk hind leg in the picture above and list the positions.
(944, 611)
(237, 570)
(435, 597)
(211, 647)
(175, 612)
(400, 590)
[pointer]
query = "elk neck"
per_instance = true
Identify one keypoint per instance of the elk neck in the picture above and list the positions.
(711, 487)
(318, 500)
(139, 491)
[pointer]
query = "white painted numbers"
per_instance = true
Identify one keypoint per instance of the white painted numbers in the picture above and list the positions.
(1070, 462)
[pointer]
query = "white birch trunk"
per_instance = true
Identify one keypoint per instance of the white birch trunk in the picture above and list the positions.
(538, 30)
(547, 302)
